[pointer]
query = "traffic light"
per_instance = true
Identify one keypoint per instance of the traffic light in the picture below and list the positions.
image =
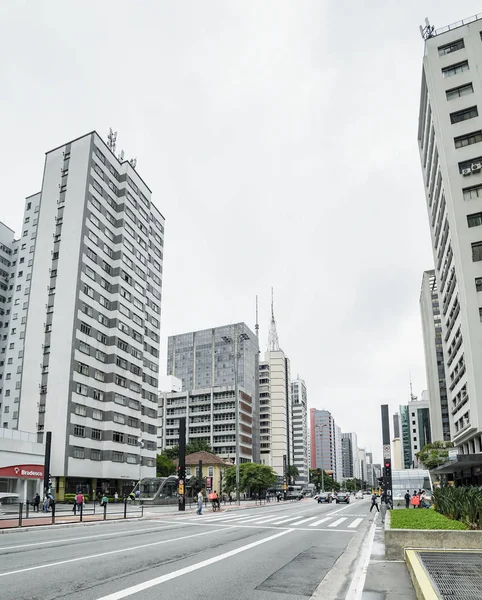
(180, 472)
(318, 472)
(388, 469)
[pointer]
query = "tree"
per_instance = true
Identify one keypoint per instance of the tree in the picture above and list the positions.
(328, 481)
(194, 446)
(434, 454)
(252, 478)
(292, 473)
(164, 465)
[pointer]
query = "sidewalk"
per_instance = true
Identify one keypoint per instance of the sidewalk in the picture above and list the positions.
(386, 579)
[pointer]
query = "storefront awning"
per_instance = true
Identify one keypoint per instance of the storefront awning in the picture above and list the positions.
(464, 461)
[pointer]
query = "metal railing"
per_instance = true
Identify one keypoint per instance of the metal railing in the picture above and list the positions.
(457, 24)
(56, 514)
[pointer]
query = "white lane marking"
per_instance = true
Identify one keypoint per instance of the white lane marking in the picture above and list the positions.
(272, 519)
(270, 526)
(337, 522)
(302, 521)
(89, 556)
(135, 589)
(355, 590)
(87, 537)
(319, 522)
(340, 509)
(355, 523)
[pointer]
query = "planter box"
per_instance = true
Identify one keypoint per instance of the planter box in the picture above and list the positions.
(397, 540)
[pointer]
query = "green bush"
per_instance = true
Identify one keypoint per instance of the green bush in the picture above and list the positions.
(421, 518)
(461, 503)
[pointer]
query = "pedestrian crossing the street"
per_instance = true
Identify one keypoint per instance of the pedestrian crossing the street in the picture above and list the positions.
(347, 522)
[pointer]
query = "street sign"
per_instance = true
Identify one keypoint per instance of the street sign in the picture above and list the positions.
(209, 483)
(387, 452)
(181, 489)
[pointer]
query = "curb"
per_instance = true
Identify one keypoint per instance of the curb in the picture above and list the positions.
(66, 525)
(420, 578)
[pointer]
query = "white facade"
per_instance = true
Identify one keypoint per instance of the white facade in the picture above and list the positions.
(91, 339)
(415, 427)
(362, 464)
(450, 138)
(17, 449)
(299, 399)
(210, 416)
(275, 410)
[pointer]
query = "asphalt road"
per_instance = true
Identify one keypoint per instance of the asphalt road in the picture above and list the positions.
(277, 551)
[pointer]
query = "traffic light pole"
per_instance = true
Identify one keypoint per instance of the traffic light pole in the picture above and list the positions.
(181, 470)
(387, 456)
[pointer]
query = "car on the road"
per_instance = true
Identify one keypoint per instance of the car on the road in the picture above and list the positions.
(323, 498)
(359, 496)
(343, 497)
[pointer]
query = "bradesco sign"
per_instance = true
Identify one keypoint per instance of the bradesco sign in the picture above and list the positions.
(23, 471)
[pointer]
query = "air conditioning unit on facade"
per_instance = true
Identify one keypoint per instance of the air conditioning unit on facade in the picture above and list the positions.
(466, 172)
(476, 167)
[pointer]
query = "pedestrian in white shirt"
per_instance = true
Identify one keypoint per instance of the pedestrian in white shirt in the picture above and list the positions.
(200, 503)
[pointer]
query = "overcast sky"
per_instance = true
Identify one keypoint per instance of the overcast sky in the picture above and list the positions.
(279, 139)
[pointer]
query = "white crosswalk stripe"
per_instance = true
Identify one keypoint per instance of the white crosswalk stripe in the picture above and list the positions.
(316, 523)
(302, 521)
(278, 522)
(337, 522)
(355, 523)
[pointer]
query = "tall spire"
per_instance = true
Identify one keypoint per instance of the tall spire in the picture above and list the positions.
(273, 342)
(256, 327)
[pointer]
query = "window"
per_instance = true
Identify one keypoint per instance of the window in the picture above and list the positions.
(79, 430)
(96, 204)
(468, 139)
(91, 254)
(472, 192)
(98, 415)
(474, 220)
(104, 302)
(122, 345)
(84, 328)
(123, 327)
(117, 436)
(94, 219)
(133, 422)
(120, 381)
(131, 459)
(103, 320)
(119, 418)
(90, 272)
(96, 434)
(124, 310)
(110, 218)
(117, 457)
(83, 347)
(86, 309)
(82, 369)
(452, 47)
(478, 284)
(121, 362)
(108, 250)
(98, 395)
(125, 294)
(80, 388)
(106, 267)
(93, 237)
(464, 115)
(95, 455)
(81, 410)
(99, 355)
(78, 452)
(99, 375)
(100, 155)
(137, 319)
(137, 303)
(451, 70)
(88, 291)
(101, 337)
(120, 399)
(477, 251)
(460, 91)
(108, 234)
(127, 261)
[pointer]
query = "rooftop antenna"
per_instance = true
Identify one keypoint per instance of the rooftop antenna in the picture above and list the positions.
(412, 396)
(256, 327)
(111, 140)
(133, 162)
(121, 156)
(273, 342)
(428, 31)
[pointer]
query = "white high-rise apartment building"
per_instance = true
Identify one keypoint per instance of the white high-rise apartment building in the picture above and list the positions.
(434, 359)
(299, 401)
(275, 410)
(82, 352)
(450, 141)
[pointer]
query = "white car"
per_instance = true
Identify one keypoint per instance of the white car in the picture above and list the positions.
(359, 496)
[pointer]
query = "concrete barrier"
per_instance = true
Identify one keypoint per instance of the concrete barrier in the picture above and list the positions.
(398, 540)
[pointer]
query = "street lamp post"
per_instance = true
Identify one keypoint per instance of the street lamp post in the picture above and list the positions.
(140, 441)
(237, 338)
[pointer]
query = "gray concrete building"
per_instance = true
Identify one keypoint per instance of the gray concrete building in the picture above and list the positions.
(299, 404)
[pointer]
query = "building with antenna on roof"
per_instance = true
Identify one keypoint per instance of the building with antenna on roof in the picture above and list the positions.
(275, 410)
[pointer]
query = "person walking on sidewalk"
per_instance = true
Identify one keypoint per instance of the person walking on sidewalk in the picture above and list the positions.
(374, 503)
(200, 503)
(36, 502)
(407, 499)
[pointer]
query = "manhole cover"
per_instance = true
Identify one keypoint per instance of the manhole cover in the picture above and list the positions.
(457, 575)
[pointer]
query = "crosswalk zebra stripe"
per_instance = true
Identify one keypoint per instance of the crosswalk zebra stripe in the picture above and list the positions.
(271, 520)
(302, 521)
(316, 523)
(355, 523)
(278, 522)
(337, 522)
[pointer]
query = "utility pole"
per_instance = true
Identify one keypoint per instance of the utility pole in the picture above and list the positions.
(48, 446)
(181, 470)
(236, 409)
(387, 454)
